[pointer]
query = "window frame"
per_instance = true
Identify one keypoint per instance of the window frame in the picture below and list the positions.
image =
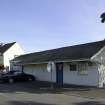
(71, 67)
(81, 70)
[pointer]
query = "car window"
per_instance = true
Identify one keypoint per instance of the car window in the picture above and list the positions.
(17, 72)
(11, 72)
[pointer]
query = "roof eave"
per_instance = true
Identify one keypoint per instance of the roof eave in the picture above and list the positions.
(78, 60)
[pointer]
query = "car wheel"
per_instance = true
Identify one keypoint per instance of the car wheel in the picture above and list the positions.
(30, 79)
(11, 80)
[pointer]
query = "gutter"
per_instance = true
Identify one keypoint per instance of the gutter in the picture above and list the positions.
(54, 61)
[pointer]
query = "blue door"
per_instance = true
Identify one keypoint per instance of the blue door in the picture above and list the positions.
(59, 74)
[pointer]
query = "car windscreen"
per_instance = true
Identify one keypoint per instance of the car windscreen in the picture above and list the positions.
(17, 72)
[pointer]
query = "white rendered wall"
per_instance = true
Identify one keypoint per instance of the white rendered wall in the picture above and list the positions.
(100, 59)
(40, 72)
(73, 77)
(69, 77)
(10, 54)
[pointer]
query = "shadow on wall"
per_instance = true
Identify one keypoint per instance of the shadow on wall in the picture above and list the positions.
(90, 103)
(26, 103)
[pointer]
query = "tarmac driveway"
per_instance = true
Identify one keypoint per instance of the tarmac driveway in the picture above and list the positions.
(35, 94)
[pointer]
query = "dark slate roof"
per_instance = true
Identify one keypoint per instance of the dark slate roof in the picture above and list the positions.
(76, 52)
(5, 47)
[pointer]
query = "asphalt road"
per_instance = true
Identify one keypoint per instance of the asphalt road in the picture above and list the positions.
(20, 94)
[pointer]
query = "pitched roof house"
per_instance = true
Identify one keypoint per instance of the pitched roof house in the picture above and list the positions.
(82, 64)
(8, 52)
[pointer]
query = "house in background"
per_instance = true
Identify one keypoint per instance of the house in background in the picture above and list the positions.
(8, 52)
(82, 64)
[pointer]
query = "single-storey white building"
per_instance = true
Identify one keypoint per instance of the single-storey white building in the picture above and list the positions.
(9, 51)
(82, 64)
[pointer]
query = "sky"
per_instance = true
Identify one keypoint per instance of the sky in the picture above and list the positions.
(47, 24)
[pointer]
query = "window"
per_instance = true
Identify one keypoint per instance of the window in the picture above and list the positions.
(73, 67)
(82, 69)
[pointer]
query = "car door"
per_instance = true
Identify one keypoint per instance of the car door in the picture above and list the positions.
(18, 76)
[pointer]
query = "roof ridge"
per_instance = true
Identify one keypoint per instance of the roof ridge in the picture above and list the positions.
(65, 47)
(81, 51)
(10, 42)
(6, 46)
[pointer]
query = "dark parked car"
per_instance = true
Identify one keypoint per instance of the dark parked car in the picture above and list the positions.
(15, 76)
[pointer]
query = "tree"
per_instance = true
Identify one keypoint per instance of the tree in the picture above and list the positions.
(102, 17)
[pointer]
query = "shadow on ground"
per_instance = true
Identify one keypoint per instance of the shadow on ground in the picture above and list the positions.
(38, 87)
(26, 103)
(89, 103)
(36, 103)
